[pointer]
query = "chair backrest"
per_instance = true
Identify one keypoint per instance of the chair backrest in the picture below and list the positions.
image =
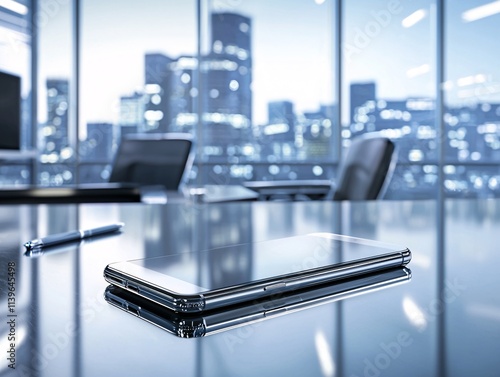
(153, 159)
(368, 163)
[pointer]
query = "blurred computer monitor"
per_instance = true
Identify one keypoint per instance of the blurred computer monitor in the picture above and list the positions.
(10, 111)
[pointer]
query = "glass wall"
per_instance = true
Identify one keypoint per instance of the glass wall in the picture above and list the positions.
(258, 99)
(56, 126)
(130, 58)
(257, 83)
(472, 99)
(389, 86)
(267, 90)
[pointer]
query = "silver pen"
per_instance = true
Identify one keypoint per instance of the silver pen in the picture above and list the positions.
(76, 235)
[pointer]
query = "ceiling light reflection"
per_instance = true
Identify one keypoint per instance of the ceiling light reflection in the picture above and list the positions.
(484, 311)
(422, 261)
(14, 6)
(414, 313)
(418, 71)
(324, 354)
(414, 18)
(482, 11)
(465, 81)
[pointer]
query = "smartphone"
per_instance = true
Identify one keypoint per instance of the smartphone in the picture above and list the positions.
(192, 325)
(197, 281)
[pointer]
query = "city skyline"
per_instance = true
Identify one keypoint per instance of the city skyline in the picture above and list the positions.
(389, 45)
(108, 73)
(415, 67)
(472, 136)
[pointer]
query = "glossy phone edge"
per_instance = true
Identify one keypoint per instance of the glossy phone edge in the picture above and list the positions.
(253, 290)
(160, 295)
(315, 296)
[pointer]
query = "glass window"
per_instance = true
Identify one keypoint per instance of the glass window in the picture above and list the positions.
(265, 112)
(389, 86)
(267, 91)
(137, 75)
(56, 141)
(257, 88)
(472, 99)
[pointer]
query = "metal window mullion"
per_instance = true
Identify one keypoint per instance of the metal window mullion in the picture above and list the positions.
(440, 205)
(33, 142)
(337, 213)
(338, 74)
(198, 104)
(75, 91)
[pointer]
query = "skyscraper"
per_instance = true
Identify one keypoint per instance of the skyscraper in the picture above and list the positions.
(228, 69)
(318, 133)
(360, 95)
(225, 94)
(183, 94)
(281, 121)
(55, 131)
(157, 78)
(223, 91)
(132, 110)
(98, 146)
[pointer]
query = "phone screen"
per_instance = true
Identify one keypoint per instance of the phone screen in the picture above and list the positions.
(240, 264)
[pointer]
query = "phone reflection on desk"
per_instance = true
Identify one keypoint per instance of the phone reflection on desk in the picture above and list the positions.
(222, 319)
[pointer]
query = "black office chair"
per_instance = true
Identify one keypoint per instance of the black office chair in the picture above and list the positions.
(367, 166)
(153, 160)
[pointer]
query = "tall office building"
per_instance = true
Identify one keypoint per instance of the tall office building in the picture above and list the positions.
(230, 31)
(183, 94)
(318, 135)
(360, 95)
(217, 86)
(229, 66)
(55, 131)
(281, 121)
(226, 76)
(488, 131)
(98, 146)
(281, 112)
(223, 92)
(157, 77)
(132, 109)
(277, 137)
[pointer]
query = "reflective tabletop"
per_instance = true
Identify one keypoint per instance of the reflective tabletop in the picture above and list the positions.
(444, 322)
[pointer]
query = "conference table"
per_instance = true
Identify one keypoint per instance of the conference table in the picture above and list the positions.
(445, 321)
